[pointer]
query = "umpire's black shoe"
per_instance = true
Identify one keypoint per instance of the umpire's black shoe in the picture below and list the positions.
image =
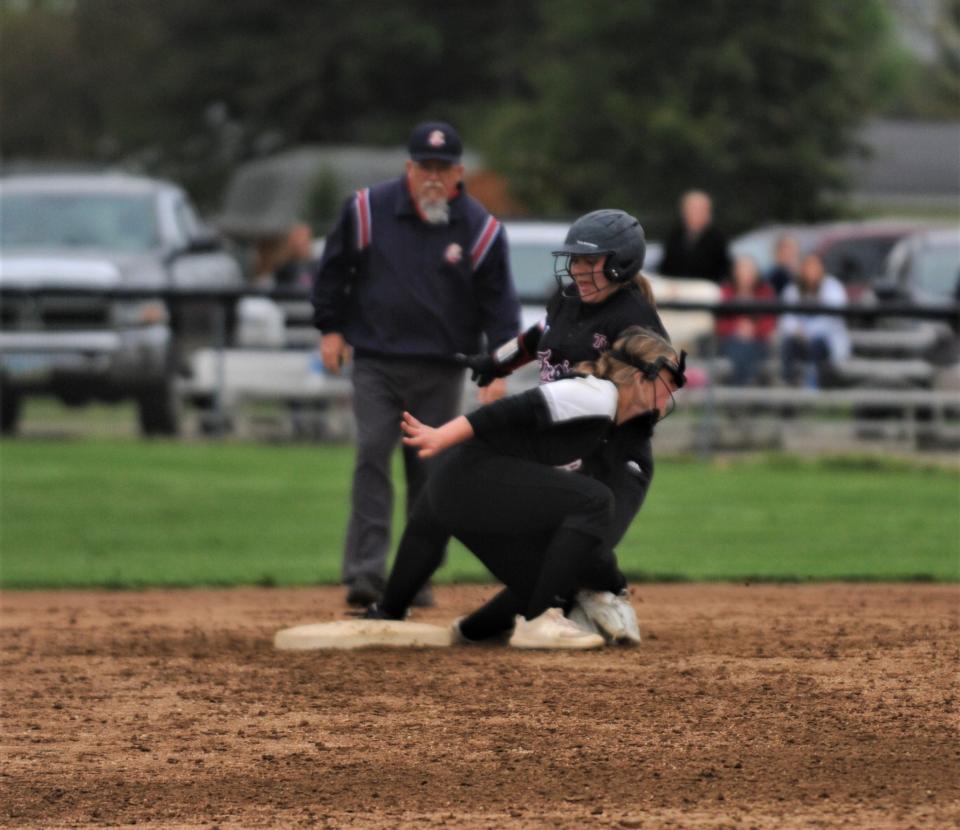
(363, 591)
(374, 612)
(424, 598)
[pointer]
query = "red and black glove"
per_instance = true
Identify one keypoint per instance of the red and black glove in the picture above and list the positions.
(485, 368)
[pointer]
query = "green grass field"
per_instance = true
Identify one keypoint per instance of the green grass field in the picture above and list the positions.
(122, 513)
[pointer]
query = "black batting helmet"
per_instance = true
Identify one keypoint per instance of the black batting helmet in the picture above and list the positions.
(612, 232)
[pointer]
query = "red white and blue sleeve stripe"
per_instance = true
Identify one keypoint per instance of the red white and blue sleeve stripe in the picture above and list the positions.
(484, 242)
(363, 218)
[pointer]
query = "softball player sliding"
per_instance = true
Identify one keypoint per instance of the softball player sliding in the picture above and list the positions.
(602, 292)
(507, 493)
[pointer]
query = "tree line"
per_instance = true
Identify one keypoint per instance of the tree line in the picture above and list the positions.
(576, 104)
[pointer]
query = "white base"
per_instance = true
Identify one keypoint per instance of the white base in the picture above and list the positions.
(347, 634)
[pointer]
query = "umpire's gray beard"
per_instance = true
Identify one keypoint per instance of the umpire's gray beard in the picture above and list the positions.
(435, 212)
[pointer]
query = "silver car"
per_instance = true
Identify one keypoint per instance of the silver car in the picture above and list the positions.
(102, 232)
(924, 268)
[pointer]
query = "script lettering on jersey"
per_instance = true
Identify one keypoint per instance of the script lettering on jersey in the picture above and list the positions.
(554, 371)
(549, 371)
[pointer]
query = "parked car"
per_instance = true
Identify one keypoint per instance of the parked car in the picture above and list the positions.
(854, 252)
(103, 231)
(924, 268)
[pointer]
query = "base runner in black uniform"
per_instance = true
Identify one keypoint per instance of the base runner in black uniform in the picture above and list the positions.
(602, 293)
(507, 492)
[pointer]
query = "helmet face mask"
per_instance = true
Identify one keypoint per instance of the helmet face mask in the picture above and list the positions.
(567, 282)
(651, 373)
(671, 401)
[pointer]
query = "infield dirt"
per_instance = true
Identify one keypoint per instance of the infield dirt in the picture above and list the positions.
(744, 707)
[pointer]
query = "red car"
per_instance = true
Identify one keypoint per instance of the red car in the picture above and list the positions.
(854, 252)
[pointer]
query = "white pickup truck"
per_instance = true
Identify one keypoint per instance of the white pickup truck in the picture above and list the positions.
(96, 233)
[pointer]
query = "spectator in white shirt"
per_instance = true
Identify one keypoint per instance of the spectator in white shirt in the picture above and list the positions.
(811, 343)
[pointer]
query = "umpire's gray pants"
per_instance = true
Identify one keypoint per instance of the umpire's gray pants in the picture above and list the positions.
(382, 390)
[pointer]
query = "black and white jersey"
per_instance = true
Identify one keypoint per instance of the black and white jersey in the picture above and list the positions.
(576, 331)
(557, 423)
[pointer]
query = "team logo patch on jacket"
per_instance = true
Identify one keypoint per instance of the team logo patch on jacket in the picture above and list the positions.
(600, 342)
(453, 254)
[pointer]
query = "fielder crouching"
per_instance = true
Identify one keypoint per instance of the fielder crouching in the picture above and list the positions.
(506, 491)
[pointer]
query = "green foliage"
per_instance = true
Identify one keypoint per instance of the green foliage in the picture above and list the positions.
(130, 514)
(188, 88)
(42, 80)
(930, 89)
(610, 103)
(636, 102)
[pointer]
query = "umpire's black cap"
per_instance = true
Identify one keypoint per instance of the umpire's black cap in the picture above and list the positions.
(435, 140)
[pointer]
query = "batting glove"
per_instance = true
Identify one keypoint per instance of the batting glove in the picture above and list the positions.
(484, 368)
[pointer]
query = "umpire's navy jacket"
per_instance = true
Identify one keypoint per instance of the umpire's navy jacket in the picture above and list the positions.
(396, 286)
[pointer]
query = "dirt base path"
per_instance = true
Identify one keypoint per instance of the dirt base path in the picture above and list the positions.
(745, 707)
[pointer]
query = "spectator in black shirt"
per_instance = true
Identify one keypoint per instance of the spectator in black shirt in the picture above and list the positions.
(695, 248)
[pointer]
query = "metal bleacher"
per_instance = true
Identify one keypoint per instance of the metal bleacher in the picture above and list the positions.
(902, 381)
(284, 371)
(900, 385)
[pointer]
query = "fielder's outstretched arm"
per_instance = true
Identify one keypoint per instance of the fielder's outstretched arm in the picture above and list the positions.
(433, 440)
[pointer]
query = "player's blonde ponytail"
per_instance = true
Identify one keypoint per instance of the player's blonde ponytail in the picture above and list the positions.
(637, 342)
(643, 284)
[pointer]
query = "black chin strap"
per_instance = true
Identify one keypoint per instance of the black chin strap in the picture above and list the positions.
(651, 371)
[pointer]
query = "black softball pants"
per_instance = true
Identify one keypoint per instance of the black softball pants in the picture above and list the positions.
(629, 483)
(536, 528)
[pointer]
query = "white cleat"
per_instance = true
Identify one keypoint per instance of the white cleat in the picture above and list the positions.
(579, 617)
(607, 614)
(552, 630)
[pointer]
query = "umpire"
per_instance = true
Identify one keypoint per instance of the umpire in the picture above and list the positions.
(414, 271)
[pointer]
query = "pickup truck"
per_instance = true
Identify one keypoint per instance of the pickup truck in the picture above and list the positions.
(101, 232)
